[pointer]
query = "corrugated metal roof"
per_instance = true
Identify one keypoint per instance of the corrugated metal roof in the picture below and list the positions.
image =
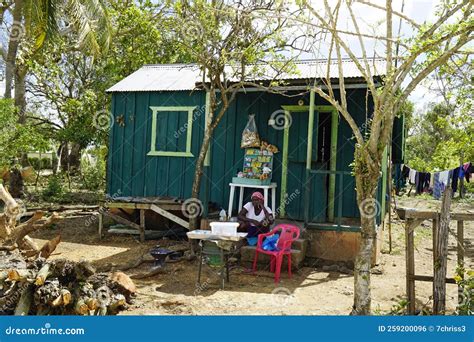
(170, 77)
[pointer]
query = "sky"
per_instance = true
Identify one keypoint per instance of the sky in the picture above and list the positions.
(371, 21)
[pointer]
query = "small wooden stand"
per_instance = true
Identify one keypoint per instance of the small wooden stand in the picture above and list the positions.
(159, 206)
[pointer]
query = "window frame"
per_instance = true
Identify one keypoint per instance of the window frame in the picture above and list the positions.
(189, 131)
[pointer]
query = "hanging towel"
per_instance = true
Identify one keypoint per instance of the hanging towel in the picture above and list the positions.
(412, 176)
(437, 186)
(443, 178)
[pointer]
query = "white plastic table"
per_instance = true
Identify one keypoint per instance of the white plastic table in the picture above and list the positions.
(265, 188)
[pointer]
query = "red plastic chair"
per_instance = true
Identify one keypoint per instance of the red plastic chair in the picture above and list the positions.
(288, 233)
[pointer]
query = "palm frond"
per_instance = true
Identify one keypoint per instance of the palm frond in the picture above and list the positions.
(41, 20)
(92, 22)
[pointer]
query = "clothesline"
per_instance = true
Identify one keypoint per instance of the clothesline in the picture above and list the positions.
(402, 165)
(435, 182)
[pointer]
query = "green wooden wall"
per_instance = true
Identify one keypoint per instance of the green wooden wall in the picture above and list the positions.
(134, 173)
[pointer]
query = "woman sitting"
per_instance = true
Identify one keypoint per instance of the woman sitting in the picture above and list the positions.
(255, 218)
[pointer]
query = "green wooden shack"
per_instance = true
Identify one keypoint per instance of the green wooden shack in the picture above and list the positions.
(159, 115)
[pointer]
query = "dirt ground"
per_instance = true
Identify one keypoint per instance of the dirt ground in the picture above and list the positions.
(311, 291)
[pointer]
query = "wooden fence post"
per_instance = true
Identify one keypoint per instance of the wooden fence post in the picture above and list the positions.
(410, 263)
(460, 240)
(441, 253)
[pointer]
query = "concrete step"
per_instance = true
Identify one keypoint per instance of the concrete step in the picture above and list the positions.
(300, 245)
(247, 254)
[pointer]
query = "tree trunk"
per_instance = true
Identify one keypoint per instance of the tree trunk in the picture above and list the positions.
(74, 158)
(20, 92)
(366, 184)
(70, 157)
(16, 186)
(198, 174)
(13, 42)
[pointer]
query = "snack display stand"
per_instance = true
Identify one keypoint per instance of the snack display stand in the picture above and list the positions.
(271, 186)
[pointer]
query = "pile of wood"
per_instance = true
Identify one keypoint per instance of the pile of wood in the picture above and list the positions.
(30, 284)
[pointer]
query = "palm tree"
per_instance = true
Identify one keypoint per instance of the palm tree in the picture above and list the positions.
(34, 22)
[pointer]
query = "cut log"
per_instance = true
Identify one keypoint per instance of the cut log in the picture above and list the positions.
(21, 275)
(104, 295)
(59, 287)
(49, 247)
(42, 274)
(66, 296)
(101, 311)
(20, 231)
(57, 301)
(81, 307)
(117, 302)
(24, 304)
(92, 303)
(9, 216)
(124, 281)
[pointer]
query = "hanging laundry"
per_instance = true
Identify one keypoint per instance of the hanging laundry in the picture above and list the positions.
(444, 178)
(422, 182)
(412, 176)
(454, 181)
(405, 172)
(437, 186)
(468, 169)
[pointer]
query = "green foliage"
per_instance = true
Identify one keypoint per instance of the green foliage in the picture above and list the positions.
(45, 163)
(247, 37)
(439, 139)
(143, 34)
(70, 86)
(465, 279)
(35, 163)
(399, 309)
(93, 169)
(16, 138)
(54, 189)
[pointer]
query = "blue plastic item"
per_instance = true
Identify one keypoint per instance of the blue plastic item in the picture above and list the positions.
(270, 243)
(252, 241)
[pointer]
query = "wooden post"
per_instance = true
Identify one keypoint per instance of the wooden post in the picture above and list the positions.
(434, 238)
(309, 155)
(460, 240)
(440, 267)
(142, 225)
(461, 180)
(101, 223)
(410, 263)
(390, 188)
